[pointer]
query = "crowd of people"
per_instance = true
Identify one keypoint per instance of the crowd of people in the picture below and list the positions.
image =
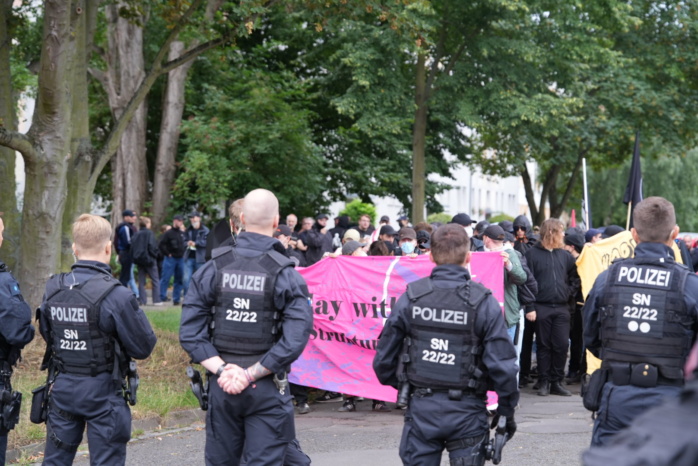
(246, 317)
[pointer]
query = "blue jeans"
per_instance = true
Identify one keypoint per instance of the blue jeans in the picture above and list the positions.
(170, 266)
(190, 266)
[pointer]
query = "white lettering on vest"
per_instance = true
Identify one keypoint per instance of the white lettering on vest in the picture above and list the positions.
(243, 282)
(643, 276)
(69, 314)
(446, 316)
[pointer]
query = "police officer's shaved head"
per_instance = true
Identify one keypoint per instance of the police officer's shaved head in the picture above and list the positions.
(91, 233)
(450, 245)
(260, 211)
(654, 220)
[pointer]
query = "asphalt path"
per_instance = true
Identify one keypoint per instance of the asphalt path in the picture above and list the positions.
(552, 430)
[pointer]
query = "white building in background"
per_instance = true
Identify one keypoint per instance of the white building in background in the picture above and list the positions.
(471, 192)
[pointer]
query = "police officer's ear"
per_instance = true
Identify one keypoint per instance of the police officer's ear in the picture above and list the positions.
(107, 249)
(276, 221)
(675, 232)
(467, 259)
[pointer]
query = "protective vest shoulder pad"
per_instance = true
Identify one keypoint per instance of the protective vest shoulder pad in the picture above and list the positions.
(419, 288)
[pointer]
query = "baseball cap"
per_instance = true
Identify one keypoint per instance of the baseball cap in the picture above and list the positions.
(384, 219)
(352, 234)
(507, 226)
(424, 239)
(407, 233)
(387, 230)
(612, 230)
(350, 247)
(590, 233)
(402, 217)
(321, 216)
(495, 232)
(482, 226)
(128, 213)
(462, 219)
(178, 217)
(194, 214)
(282, 230)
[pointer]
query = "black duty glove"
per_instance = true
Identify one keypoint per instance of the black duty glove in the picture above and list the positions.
(510, 426)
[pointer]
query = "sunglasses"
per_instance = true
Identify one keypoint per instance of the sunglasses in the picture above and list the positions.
(519, 228)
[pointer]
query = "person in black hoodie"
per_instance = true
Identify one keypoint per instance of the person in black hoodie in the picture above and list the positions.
(525, 238)
(318, 240)
(556, 273)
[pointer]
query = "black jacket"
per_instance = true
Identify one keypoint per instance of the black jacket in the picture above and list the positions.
(556, 274)
(173, 243)
(531, 238)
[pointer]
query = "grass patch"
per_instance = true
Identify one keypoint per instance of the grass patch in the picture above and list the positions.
(164, 386)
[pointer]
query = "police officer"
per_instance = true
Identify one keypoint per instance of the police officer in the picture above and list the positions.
(15, 332)
(91, 324)
(640, 319)
(454, 335)
(246, 318)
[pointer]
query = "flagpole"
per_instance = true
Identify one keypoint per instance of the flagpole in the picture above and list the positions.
(586, 194)
(630, 209)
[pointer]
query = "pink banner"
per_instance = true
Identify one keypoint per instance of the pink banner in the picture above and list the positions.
(351, 298)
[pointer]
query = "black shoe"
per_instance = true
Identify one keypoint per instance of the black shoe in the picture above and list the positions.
(536, 385)
(329, 397)
(544, 389)
(303, 408)
(524, 380)
(573, 377)
(347, 407)
(556, 388)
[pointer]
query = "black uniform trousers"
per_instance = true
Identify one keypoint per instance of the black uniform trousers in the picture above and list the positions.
(552, 337)
(621, 404)
(3, 436)
(433, 420)
(77, 401)
(260, 419)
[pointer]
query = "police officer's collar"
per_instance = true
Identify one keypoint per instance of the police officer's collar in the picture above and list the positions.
(93, 265)
(450, 272)
(655, 250)
(247, 239)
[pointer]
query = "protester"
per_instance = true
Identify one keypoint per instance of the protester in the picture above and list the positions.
(172, 246)
(124, 232)
(107, 322)
(145, 252)
(553, 266)
(195, 256)
(466, 222)
(16, 332)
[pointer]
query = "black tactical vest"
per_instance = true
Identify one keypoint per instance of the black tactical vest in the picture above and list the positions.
(245, 320)
(444, 351)
(79, 346)
(644, 317)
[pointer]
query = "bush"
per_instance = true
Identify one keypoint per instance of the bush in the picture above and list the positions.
(442, 217)
(500, 218)
(355, 209)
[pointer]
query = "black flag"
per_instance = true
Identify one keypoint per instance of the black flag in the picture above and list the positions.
(633, 192)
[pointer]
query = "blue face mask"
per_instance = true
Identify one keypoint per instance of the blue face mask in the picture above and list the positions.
(407, 247)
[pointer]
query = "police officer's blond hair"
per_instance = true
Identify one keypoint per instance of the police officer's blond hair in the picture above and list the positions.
(449, 245)
(91, 233)
(654, 220)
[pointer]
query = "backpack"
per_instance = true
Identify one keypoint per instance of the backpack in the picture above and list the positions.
(139, 249)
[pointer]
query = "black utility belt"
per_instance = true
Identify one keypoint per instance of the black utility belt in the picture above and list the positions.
(642, 375)
(453, 394)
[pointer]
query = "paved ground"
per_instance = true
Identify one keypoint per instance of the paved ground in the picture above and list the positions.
(552, 431)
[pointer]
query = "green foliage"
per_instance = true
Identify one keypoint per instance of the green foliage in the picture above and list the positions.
(441, 217)
(355, 209)
(500, 218)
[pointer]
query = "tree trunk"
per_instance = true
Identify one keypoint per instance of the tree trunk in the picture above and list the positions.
(47, 160)
(8, 187)
(419, 132)
(172, 109)
(126, 70)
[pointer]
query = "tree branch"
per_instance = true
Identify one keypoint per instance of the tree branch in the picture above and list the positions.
(190, 54)
(528, 188)
(17, 141)
(100, 76)
(572, 180)
(174, 33)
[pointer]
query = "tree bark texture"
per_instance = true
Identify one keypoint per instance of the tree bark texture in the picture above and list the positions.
(8, 198)
(46, 163)
(126, 71)
(172, 109)
(419, 132)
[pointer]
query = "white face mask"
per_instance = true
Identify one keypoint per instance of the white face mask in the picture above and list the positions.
(469, 231)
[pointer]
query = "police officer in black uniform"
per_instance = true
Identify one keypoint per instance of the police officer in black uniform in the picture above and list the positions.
(246, 318)
(451, 336)
(92, 326)
(640, 319)
(15, 332)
